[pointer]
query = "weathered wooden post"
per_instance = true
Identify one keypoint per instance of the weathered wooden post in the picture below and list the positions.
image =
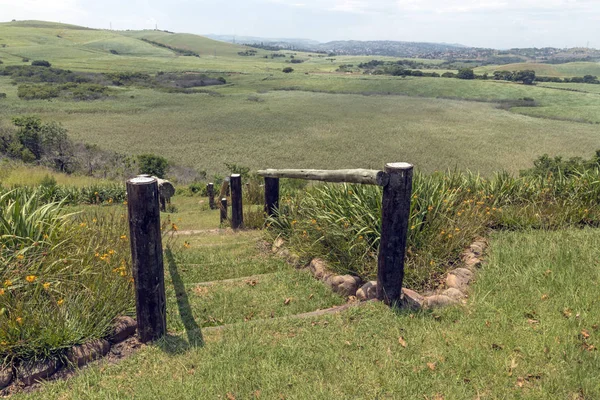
(237, 217)
(394, 229)
(210, 189)
(223, 209)
(147, 257)
(271, 195)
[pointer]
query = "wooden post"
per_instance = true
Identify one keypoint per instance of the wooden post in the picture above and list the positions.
(223, 209)
(394, 230)
(237, 218)
(271, 195)
(147, 257)
(210, 189)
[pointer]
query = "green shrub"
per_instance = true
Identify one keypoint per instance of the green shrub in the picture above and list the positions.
(287, 70)
(37, 92)
(153, 164)
(465, 73)
(2, 95)
(41, 63)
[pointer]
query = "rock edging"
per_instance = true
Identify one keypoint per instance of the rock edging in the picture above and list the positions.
(456, 283)
(30, 372)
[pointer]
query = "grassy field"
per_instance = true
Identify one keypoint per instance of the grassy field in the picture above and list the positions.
(555, 70)
(324, 118)
(322, 129)
(528, 330)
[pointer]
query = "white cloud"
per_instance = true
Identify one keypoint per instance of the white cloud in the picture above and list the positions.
(443, 6)
(53, 10)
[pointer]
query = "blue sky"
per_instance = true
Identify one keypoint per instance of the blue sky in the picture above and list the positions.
(483, 23)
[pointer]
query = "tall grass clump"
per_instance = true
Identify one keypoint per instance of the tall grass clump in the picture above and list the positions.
(63, 277)
(48, 192)
(342, 222)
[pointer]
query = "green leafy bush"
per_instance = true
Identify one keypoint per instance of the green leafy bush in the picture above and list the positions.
(153, 164)
(41, 63)
(37, 92)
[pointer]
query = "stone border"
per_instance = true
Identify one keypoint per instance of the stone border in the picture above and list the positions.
(454, 291)
(25, 374)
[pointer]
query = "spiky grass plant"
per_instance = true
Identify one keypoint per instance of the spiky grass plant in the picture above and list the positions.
(342, 223)
(63, 277)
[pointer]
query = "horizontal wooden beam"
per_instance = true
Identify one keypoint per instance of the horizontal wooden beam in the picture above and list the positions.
(364, 176)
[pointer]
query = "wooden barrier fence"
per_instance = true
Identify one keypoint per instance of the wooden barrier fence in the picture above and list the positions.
(396, 181)
(143, 203)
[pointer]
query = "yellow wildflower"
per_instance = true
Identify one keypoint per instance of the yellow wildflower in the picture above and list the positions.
(20, 257)
(456, 229)
(111, 252)
(30, 278)
(294, 222)
(449, 236)
(2, 292)
(110, 200)
(60, 302)
(125, 203)
(429, 208)
(412, 227)
(123, 237)
(174, 227)
(46, 285)
(7, 283)
(19, 320)
(186, 245)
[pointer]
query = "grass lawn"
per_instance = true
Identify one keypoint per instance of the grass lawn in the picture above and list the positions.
(529, 330)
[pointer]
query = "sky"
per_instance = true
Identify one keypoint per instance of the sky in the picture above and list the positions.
(481, 23)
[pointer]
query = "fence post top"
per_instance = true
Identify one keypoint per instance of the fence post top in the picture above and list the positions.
(399, 165)
(235, 175)
(142, 180)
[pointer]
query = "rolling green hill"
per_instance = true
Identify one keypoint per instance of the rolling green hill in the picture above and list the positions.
(187, 41)
(79, 48)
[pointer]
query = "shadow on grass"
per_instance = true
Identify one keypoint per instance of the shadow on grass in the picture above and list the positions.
(176, 344)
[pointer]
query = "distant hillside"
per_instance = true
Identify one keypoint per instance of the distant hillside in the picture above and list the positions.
(42, 24)
(352, 47)
(187, 41)
(84, 49)
(282, 42)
